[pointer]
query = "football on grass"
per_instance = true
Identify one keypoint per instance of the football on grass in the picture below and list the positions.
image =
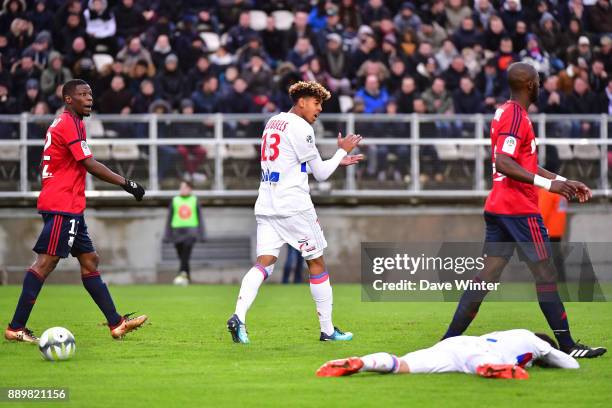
(57, 343)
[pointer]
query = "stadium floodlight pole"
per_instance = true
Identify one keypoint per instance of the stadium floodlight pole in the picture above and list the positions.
(603, 150)
(23, 152)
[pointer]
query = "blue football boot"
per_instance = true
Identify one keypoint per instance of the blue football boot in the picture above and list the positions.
(238, 330)
(337, 335)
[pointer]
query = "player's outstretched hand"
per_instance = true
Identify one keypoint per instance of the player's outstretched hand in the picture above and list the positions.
(350, 160)
(134, 189)
(563, 188)
(349, 142)
(582, 192)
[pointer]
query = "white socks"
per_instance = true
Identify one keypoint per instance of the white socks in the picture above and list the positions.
(248, 290)
(322, 295)
(381, 363)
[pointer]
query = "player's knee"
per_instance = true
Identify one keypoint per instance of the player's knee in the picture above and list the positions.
(89, 263)
(316, 264)
(45, 264)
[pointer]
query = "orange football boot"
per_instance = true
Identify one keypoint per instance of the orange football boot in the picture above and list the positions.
(339, 368)
(508, 371)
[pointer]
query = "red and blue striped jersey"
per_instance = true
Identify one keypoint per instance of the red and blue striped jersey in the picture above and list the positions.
(63, 176)
(512, 134)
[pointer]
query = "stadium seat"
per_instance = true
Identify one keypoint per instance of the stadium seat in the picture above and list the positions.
(102, 60)
(94, 128)
(258, 19)
(101, 152)
(212, 41)
(346, 103)
(241, 157)
(586, 157)
(128, 154)
(9, 161)
(283, 19)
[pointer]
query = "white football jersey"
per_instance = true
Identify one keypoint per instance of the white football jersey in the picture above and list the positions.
(288, 143)
(518, 346)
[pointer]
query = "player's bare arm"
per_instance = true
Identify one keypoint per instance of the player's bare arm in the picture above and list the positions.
(510, 168)
(583, 193)
(102, 172)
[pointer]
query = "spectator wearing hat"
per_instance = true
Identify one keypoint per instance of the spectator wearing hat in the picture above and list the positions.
(71, 28)
(407, 18)
(445, 55)
(40, 49)
(600, 17)
(582, 54)
(456, 11)
(375, 10)
(535, 55)
(604, 53)
(432, 33)
(550, 37)
(273, 41)
(54, 74)
(31, 96)
(130, 19)
(336, 61)
(332, 26)
(171, 81)
(41, 17)
(23, 70)
(100, 26)
(11, 10)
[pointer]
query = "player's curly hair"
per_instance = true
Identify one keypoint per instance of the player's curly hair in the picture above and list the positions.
(303, 89)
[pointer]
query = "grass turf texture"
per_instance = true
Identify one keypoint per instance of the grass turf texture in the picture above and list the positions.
(185, 357)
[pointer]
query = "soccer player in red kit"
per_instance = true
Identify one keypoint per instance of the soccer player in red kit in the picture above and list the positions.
(65, 162)
(512, 216)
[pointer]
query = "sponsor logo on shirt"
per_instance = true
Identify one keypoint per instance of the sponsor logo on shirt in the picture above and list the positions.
(309, 139)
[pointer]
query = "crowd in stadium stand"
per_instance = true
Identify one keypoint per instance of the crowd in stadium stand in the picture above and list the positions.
(432, 56)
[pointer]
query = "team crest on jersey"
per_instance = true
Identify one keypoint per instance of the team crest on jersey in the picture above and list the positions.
(509, 145)
(85, 148)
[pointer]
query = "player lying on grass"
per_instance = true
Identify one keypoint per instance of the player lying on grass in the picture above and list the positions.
(512, 216)
(284, 209)
(502, 354)
(65, 162)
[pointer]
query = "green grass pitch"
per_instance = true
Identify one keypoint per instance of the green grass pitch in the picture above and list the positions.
(185, 357)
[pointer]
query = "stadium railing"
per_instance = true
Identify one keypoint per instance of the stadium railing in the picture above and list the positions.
(452, 161)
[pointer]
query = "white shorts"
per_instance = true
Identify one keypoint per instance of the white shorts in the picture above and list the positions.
(302, 231)
(456, 354)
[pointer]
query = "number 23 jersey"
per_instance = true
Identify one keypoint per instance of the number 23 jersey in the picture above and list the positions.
(63, 176)
(288, 143)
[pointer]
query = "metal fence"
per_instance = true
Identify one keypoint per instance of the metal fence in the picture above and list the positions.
(413, 155)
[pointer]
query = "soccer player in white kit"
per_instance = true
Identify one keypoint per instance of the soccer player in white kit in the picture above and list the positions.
(284, 209)
(502, 354)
